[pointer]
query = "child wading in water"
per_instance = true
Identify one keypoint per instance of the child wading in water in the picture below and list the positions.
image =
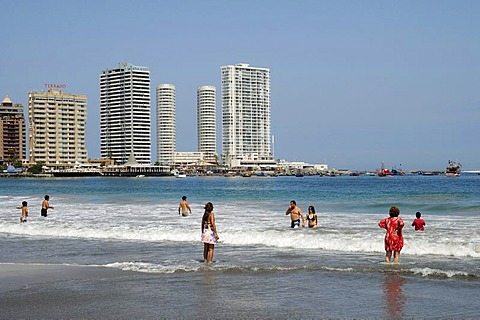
(418, 223)
(24, 208)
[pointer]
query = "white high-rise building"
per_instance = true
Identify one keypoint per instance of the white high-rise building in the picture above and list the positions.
(57, 122)
(166, 129)
(125, 113)
(246, 112)
(206, 121)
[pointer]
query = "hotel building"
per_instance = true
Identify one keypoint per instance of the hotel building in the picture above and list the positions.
(206, 122)
(245, 113)
(166, 128)
(57, 128)
(12, 132)
(125, 113)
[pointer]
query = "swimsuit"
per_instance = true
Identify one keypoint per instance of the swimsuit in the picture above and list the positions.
(43, 212)
(208, 235)
(295, 223)
(313, 219)
(185, 213)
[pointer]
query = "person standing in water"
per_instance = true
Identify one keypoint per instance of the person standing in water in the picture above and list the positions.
(295, 214)
(209, 233)
(184, 207)
(24, 208)
(45, 206)
(418, 223)
(312, 217)
(394, 236)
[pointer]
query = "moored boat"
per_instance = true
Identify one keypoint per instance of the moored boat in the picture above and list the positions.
(453, 169)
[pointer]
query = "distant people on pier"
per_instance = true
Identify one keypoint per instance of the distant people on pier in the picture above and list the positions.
(45, 206)
(184, 207)
(394, 237)
(209, 233)
(312, 217)
(418, 223)
(295, 214)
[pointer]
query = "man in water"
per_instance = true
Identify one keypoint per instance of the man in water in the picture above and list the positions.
(295, 214)
(45, 206)
(186, 211)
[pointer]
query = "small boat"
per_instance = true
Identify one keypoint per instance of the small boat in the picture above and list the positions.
(384, 172)
(299, 174)
(453, 169)
(140, 176)
(180, 174)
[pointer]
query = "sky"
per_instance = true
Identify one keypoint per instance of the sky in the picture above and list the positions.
(353, 83)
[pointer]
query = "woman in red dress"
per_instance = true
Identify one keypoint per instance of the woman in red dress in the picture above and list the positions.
(394, 237)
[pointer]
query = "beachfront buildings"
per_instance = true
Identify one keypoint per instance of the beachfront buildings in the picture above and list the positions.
(57, 128)
(245, 114)
(206, 122)
(125, 113)
(12, 132)
(166, 129)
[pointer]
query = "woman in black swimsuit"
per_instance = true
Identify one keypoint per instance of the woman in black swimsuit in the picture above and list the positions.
(312, 217)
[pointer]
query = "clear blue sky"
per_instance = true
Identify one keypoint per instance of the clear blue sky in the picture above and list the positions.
(354, 83)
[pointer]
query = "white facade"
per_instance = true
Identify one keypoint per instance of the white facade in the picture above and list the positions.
(206, 121)
(57, 122)
(245, 112)
(166, 128)
(125, 113)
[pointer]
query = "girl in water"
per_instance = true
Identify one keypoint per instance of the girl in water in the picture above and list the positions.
(312, 217)
(209, 233)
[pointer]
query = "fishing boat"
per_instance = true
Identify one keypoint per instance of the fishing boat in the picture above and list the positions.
(384, 172)
(453, 169)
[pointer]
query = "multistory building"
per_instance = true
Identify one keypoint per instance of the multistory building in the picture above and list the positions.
(125, 113)
(206, 122)
(246, 112)
(57, 122)
(12, 131)
(166, 127)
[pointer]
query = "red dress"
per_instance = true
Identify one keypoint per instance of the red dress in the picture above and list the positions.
(394, 237)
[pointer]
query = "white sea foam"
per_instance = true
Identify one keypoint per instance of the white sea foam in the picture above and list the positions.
(239, 224)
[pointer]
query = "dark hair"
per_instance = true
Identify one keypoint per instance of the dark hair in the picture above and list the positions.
(394, 211)
(47, 197)
(208, 207)
(184, 198)
(294, 202)
(24, 203)
(418, 214)
(311, 208)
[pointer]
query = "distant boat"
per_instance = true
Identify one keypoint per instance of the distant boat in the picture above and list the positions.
(453, 169)
(299, 174)
(140, 176)
(180, 175)
(384, 172)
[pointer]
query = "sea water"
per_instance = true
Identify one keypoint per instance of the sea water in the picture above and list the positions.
(133, 224)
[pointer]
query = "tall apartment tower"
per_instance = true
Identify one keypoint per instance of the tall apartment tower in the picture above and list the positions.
(206, 122)
(166, 128)
(246, 112)
(12, 131)
(57, 123)
(125, 113)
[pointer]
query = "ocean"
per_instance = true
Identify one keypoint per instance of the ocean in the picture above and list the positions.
(116, 247)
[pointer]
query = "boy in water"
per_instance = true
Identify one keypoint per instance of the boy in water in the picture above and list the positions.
(418, 223)
(24, 208)
(186, 211)
(295, 214)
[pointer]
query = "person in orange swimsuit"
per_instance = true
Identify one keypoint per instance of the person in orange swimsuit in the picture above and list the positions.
(394, 236)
